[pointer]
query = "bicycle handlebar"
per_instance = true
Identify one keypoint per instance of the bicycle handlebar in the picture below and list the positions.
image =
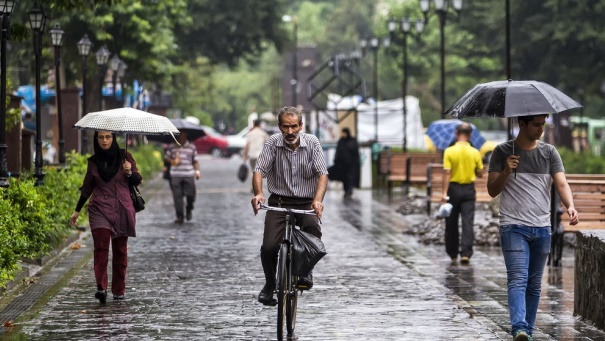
(262, 206)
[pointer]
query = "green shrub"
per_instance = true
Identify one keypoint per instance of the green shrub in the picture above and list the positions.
(13, 240)
(581, 163)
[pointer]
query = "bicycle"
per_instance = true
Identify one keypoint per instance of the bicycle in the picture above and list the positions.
(286, 289)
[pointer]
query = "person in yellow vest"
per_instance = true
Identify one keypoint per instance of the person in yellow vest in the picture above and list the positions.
(461, 165)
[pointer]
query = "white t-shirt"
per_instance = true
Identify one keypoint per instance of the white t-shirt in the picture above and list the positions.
(256, 140)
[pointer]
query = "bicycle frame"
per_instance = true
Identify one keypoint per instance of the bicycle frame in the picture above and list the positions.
(287, 293)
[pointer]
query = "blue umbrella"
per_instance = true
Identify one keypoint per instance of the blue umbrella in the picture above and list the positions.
(443, 133)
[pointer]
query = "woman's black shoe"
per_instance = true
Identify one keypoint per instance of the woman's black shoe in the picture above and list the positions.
(101, 295)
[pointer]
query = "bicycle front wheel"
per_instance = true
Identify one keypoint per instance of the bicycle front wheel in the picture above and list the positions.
(282, 290)
(291, 307)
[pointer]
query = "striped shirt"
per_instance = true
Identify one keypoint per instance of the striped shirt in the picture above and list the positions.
(292, 173)
(186, 153)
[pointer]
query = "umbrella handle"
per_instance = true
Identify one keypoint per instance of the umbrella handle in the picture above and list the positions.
(174, 138)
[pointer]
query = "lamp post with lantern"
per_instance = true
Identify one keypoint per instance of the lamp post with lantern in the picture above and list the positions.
(84, 46)
(114, 65)
(121, 73)
(373, 44)
(405, 25)
(442, 10)
(37, 19)
(56, 35)
(102, 57)
(6, 6)
(294, 80)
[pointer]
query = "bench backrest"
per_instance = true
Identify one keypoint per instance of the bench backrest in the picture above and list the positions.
(435, 184)
(588, 191)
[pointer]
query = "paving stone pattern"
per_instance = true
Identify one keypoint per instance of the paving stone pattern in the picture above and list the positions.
(200, 280)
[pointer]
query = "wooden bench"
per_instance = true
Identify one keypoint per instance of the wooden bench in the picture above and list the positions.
(434, 186)
(409, 169)
(588, 191)
(589, 199)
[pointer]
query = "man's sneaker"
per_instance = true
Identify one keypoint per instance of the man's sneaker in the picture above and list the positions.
(101, 295)
(465, 260)
(305, 282)
(521, 335)
(266, 297)
(188, 215)
(118, 297)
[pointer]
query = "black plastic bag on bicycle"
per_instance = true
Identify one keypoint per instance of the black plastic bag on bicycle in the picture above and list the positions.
(307, 250)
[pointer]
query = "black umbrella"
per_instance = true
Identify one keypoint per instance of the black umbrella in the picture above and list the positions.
(511, 99)
(193, 131)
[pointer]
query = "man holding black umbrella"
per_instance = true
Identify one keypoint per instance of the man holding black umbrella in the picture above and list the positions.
(521, 171)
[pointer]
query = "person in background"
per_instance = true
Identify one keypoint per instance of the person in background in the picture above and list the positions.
(256, 140)
(297, 177)
(184, 170)
(110, 211)
(461, 165)
(525, 226)
(346, 166)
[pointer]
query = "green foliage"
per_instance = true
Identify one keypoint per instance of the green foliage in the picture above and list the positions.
(149, 160)
(581, 163)
(14, 241)
(32, 210)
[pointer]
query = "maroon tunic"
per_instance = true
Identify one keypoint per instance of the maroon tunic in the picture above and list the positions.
(110, 206)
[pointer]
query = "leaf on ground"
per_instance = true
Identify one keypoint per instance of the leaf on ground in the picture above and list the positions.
(8, 324)
(76, 246)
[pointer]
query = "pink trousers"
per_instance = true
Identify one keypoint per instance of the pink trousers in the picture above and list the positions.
(102, 238)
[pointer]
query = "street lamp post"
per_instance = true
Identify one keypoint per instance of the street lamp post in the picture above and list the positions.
(121, 73)
(374, 44)
(114, 65)
(441, 8)
(84, 46)
(56, 35)
(102, 57)
(6, 6)
(405, 25)
(37, 20)
(294, 80)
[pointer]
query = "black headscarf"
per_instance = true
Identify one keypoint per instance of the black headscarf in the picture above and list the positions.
(108, 161)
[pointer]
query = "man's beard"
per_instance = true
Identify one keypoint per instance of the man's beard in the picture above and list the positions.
(292, 142)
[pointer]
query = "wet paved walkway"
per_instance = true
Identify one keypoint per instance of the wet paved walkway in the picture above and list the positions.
(199, 281)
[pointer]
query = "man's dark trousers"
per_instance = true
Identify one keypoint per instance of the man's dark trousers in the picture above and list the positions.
(462, 198)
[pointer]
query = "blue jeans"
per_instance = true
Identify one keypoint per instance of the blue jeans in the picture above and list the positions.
(525, 250)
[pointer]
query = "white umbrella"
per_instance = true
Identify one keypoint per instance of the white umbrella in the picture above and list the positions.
(127, 121)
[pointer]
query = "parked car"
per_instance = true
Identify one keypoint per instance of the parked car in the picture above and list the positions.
(214, 143)
(237, 142)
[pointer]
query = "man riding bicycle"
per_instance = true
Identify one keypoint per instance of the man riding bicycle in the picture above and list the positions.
(297, 176)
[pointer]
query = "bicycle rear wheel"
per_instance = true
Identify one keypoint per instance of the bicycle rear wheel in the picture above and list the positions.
(282, 290)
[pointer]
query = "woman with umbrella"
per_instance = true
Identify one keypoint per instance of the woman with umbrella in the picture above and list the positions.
(111, 213)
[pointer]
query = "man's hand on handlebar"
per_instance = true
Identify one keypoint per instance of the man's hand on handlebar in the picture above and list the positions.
(260, 198)
(318, 207)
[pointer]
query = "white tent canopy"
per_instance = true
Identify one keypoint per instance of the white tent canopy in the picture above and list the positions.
(390, 121)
